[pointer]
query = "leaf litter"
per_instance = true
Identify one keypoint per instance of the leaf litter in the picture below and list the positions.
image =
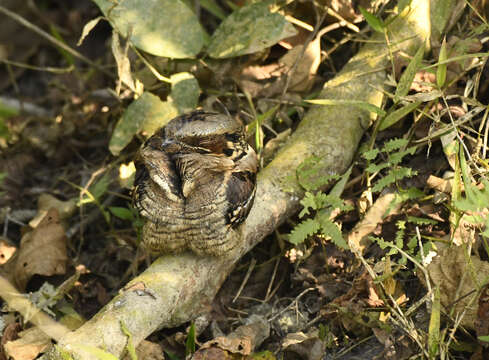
(315, 292)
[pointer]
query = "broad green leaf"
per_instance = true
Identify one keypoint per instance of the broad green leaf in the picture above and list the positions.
(121, 212)
(147, 113)
(160, 27)
(407, 76)
(357, 103)
(441, 70)
(434, 327)
(185, 91)
(375, 22)
(99, 188)
(248, 30)
(440, 13)
(397, 115)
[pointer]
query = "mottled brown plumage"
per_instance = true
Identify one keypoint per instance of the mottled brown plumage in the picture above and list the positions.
(195, 183)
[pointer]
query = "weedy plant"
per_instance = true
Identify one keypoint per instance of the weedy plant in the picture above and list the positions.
(319, 205)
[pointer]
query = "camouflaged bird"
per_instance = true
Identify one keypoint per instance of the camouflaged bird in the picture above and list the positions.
(195, 183)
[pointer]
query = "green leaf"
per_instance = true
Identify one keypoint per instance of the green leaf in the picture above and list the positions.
(308, 202)
(401, 4)
(397, 115)
(330, 229)
(100, 187)
(441, 70)
(441, 11)
(147, 113)
(375, 22)
(371, 154)
(373, 168)
(185, 91)
(213, 7)
(248, 30)
(357, 103)
(421, 221)
(190, 342)
(394, 144)
(396, 158)
(67, 56)
(308, 174)
(338, 188)
(121, 212)
(7, 111)
(303, 230)
(434, 327)
(407, 76)
(484, 338)
(160, 27)
(384, 182)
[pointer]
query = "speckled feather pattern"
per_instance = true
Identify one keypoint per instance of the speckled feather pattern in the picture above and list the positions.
(195, 183)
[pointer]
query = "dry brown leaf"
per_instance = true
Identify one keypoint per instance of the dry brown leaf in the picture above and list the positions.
(269, 80)
(42, 251)
(30, 344)
(458, 280)
(9, 333)
(46, 202)
(307, 346)
(302, 76)
(242, 341)
(6, 250)
(357, 239)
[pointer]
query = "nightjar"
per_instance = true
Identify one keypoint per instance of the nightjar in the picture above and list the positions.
(195, 183)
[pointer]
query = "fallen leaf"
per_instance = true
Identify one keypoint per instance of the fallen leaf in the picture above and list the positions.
(31, 343)
(307, 346)
(241, 341)
(160, 27)
(42, 251)
(45, 202)
(248, 30)
(455, 273)
(6, 250)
